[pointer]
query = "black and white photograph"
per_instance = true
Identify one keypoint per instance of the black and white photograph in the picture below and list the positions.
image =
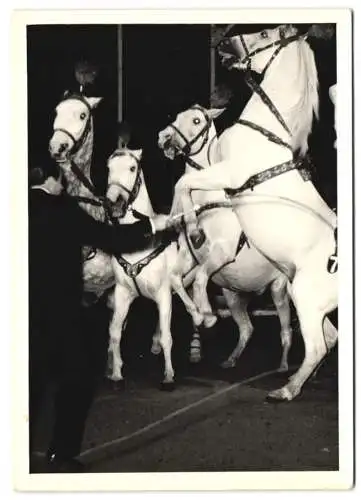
(183, 199)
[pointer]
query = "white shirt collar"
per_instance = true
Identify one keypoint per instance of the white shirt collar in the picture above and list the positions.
(42, 188)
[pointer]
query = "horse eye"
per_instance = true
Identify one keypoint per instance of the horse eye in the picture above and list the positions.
(83, 116)
(196, 121)
(264, 34)
(132, 168)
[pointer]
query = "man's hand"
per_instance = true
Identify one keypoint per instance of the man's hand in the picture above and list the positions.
(160, 222)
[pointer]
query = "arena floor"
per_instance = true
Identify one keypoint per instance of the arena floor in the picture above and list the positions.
(215, 419)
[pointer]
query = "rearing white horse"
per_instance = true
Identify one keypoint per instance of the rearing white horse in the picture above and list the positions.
(277, 205)
(224, 255)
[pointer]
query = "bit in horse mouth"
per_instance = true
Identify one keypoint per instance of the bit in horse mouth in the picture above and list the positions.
(118, 208)
(169, 150)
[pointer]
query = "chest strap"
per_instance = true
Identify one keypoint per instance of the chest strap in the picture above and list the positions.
(301, 164)
(132, 270)
(267, 133)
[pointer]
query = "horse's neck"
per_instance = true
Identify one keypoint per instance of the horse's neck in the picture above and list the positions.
(257, 112)
(206, 158)
(83, 159)
(291, 83)
(141, 204)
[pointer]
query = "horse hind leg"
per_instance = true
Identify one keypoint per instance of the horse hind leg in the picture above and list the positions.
(156, 346)
(281, 301)
(314, 297)
(238, 306)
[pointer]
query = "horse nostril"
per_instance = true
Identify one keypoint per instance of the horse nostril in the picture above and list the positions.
(62, 147)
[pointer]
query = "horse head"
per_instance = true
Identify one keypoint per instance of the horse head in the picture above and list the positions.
(72, 124)
(253, 49)
(189, 133)
(124, 179)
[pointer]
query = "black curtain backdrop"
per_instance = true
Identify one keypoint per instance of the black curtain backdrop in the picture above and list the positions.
(53, 52)
(166, 69)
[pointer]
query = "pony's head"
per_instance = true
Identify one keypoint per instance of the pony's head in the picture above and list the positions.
(72, 123)
(189, 132)
(124, 179)
(254, 50)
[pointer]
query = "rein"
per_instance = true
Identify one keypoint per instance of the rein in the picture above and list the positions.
(300, 164)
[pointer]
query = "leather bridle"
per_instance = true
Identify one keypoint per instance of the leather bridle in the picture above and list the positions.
(204, 132)
(77, 143)
(132, 193)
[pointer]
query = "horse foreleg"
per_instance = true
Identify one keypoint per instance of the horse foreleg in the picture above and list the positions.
(238, 304)
(122, 300)
(218, 256)
(182, 265)
(156, 347)
(164, 303)
(201, 298)
(216, 178)
(282, 303)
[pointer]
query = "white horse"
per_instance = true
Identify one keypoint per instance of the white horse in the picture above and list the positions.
(332, 92)
(71, 146)
(280, 211)
(225, 256)
(143, 273)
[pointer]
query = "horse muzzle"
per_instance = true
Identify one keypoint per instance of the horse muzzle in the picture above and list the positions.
(165, 143)
(116, 201)
(59, 147)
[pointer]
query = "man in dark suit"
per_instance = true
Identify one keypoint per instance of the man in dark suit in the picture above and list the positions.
(58, 345)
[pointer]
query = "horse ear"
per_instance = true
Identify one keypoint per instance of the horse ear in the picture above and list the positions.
(124, 134)
(213, 113)
(138, 153)
(66, 94)
(93, 101)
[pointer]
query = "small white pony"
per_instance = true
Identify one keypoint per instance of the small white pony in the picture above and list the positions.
(143, 273)
(225, 255)
(276, 203)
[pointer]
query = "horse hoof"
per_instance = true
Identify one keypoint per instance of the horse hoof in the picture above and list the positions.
(197, 238)
(229, 363)
(195, 358)
(279, 396)
(210, 321)
(156, 349)
(117, 385)
(283, 368)
(167, 386)
(197, 319)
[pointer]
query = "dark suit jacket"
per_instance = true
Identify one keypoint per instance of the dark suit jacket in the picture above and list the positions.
(58, 228)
